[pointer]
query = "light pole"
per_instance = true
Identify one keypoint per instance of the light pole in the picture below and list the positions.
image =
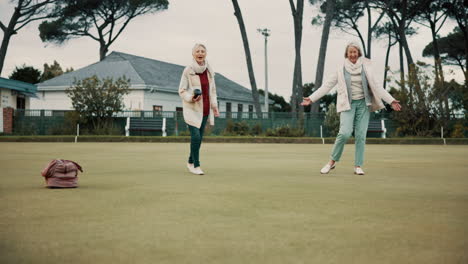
(266, 33)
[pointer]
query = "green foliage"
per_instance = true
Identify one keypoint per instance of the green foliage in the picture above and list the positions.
(279, 103)
(97, 100)
(325, 101)
(102, 21)
(236, 128)
(256, 130)
(451, 47)
(51, 71)
(27, 74)
(416, 118)
(458, 130)
(332, 120)
(241, 129)
(285, 131)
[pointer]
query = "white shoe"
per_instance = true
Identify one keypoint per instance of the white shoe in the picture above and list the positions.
(198, 171)
(191, 168)
(326, 169)
(358, 171)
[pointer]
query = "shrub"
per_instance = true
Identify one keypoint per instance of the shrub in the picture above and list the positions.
(236, 128)
(332, 120)
(458, 131)
(256, 130)
(285, 131)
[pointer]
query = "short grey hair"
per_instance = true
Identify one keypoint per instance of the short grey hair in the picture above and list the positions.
(198, 45)
(354, 45)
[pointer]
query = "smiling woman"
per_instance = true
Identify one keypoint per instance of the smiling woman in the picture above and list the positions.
(358, 94)
(198, 92)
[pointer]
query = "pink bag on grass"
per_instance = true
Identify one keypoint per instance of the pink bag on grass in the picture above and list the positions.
(61, 173)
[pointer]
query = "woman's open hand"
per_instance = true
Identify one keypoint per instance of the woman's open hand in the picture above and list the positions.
(306, 101)
(396, 105)
(215, 111)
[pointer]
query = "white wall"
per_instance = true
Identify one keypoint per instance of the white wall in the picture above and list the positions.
(7, 99)
(51, 100)
(58, 100)
(136, 100)
(169, 101)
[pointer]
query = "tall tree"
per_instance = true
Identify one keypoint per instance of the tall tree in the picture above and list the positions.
(347, 14)
(387, 31)
(102, 21)
(329, 15)
(26, 11)
(248, 57)
(296, 97)
(26, 74)
(457, 10)
(401, 14)
(433, 16)
(451, 48)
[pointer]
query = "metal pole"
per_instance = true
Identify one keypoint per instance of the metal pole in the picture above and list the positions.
(266, 74)
(266, 33)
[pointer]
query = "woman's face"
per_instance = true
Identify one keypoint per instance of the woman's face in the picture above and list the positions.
(353, 54)
(199, 55)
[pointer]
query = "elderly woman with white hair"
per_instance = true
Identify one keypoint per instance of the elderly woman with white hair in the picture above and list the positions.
(358, 94)
(199, 100)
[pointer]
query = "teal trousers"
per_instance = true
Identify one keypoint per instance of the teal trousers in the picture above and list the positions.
(357, 120)
(196, 136)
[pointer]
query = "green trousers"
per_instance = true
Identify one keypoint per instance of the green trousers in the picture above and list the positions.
(196, 136)
(357, 120)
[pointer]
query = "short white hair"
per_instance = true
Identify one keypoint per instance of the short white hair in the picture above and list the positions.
(354, 45)
(198, 45)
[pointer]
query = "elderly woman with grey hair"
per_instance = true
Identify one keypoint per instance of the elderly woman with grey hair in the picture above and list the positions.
(358, 94)
(199, 100)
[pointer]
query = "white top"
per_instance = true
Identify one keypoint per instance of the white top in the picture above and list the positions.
(357, 93)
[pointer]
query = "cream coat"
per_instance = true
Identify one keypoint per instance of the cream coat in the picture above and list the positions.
(376, 92)
(193, 111)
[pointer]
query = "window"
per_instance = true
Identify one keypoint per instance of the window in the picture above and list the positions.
(179, 109)
(250, 108)
(240, 108)
(20, 102)
(228, 110)
(157, 108)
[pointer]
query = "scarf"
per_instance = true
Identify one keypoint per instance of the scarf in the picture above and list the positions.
(201, 68)
(353, 68)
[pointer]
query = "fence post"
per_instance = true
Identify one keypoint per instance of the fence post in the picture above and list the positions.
(442, 134)
(321, 135)
(77, 132)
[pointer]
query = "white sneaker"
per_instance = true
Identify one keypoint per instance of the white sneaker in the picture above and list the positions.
(198, 171)
(358, 171)
(191, 168)
(326, 169)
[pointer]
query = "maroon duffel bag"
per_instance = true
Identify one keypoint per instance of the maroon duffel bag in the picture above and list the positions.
(61, 173)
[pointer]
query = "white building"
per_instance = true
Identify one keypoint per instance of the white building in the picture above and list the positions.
(153, 86)
(16, 95)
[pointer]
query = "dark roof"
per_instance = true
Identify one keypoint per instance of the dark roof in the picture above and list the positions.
(144, 73)
(22, 87)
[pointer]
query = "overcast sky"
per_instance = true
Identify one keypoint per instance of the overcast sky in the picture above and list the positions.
(169, 36)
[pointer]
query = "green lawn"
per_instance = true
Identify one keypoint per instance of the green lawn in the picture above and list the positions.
(257, 203)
